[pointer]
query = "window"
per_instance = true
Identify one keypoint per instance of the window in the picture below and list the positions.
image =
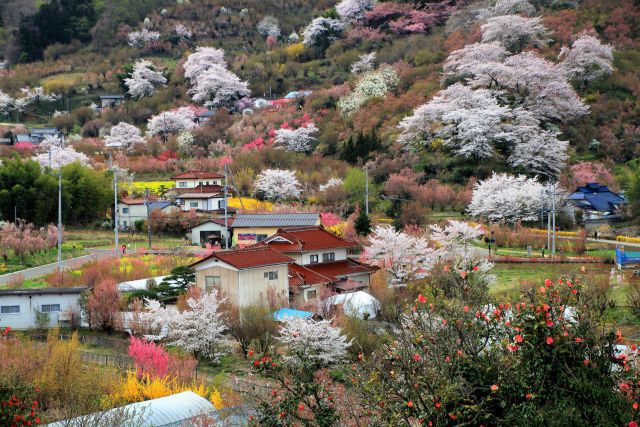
(271, 275)
(220, 204)
(313, 259)
(125, 224)
(193, 204)
(207, 182)
(125, 210)
(261, 237)
(210, 282)
(50, 308)
(9, 309)
(182, 184)
(311, 295)
(181, 202)
(329, 256)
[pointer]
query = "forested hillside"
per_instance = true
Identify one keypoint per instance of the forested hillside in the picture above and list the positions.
(431, 95)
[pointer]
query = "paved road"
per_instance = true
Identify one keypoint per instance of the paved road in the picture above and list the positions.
(41, 270)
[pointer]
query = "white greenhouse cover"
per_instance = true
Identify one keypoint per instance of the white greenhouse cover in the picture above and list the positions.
(356, 304)
(170, 411)
(136, 285)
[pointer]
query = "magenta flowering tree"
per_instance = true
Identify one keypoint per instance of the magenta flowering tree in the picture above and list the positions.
(150, 359)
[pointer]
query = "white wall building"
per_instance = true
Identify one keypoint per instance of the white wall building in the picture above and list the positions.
(193, 179)
(200, 201)
(18, 307)
(211, 231)
(132, 210)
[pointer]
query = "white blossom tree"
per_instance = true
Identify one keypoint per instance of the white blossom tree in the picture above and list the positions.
(201, 60)
(140, 38)
(186, 140)
(353, 10)
(514, 7)
(321, 32)
(587, 59)
(332, 182)
(183, 32)
(123, 135)
(298, 140)
(57, 157)
(315, 342)
(365, 63)
(144, 79)
(218, 87)
(455, 240)
(507, 198)
(173, 121)
(515, 32)
(6, 103)
(477, 61)
(198, 329)
(403, 256)
(278, 184)
(269, 26)
(467, 120)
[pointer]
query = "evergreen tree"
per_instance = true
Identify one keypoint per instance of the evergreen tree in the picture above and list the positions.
(363, 224)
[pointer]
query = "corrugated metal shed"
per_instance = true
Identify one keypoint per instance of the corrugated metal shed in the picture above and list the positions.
(276, 220)
(170, 411)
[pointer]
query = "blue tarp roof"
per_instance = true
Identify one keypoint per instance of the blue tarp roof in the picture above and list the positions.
(597, 197)
(290, 312)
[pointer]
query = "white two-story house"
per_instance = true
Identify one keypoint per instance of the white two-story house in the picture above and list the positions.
(195, 179)
(132, 210)
(200, 201)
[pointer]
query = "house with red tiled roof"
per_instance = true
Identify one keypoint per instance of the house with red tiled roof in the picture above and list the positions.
(245, 277)
(322, 262)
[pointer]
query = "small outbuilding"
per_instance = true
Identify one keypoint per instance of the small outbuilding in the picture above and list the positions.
(45, 307)
(357, 304)
(212, 231)
(109, 100)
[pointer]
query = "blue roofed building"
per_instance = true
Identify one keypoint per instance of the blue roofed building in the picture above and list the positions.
(597, 204)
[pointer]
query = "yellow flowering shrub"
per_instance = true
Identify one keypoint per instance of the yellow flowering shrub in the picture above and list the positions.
(628, 239)
(155, 187)
(558, 233)
(250, 204)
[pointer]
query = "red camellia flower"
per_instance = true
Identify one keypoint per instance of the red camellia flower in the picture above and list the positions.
(475, 268)
(512, 347)
(549, 323)
(410, 404)
(446, 269)
(578, 339)
(518, 338)
(438, 405)
(548, 282)
(635, 405)
(447, 359)
(256, 363)
(463, 274)
(574, 291)
(585, 362)
(542, 290)
(416, 357)
(633, 424)
(465, 309)
(549, 340)
(250, 353)
(528, 396)
(301, 407)
(494, 387)
(422, 299)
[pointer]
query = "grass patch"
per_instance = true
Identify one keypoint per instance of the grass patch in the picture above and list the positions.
(14, 264)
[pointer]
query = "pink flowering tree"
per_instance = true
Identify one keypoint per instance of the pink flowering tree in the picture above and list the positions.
(24, 239)
(150, 358)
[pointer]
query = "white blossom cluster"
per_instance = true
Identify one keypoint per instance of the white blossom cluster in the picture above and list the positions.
(353, 10)
(29, 96)
(587, 59)
(140, 38)
(514, 7)
(365, 63)
(144, 79)
(198, 329)
(278, 184)
(269, 26)
(332, 182)
(212, 84)
(515, 32)
(308, 340)
(183, 32)
(321, 29)
(57, 157)
(123, 135)
(298, 140)
(173, 121)
(372, 84)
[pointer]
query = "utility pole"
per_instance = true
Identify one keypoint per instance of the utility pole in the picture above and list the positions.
(553, 209)
(146, 202)
(15, 214)
(226, 212)
(59, 215)
(366, 190)
(548, 220)
(116, 248)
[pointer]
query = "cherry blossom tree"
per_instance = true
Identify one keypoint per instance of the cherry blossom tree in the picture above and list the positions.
(269, 26)
(467, 120)
(183, 32)
(198, 329)
(403, 256)
(365, 63)
(475, 61)
(455, 240)
(312, 341)
(515, 32)
(57, 157)
(321, 32)
(332, 182)
(140, 38)
(144, 79)
(353, 10)
(514, 7)
(218, 87)
(102, 305)
(298, 140)
(123, 135)
(6, 103)
(277, 184)
(507, 198)
(587, 59)
(173, 121)
(201, 60)
(23, 238)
